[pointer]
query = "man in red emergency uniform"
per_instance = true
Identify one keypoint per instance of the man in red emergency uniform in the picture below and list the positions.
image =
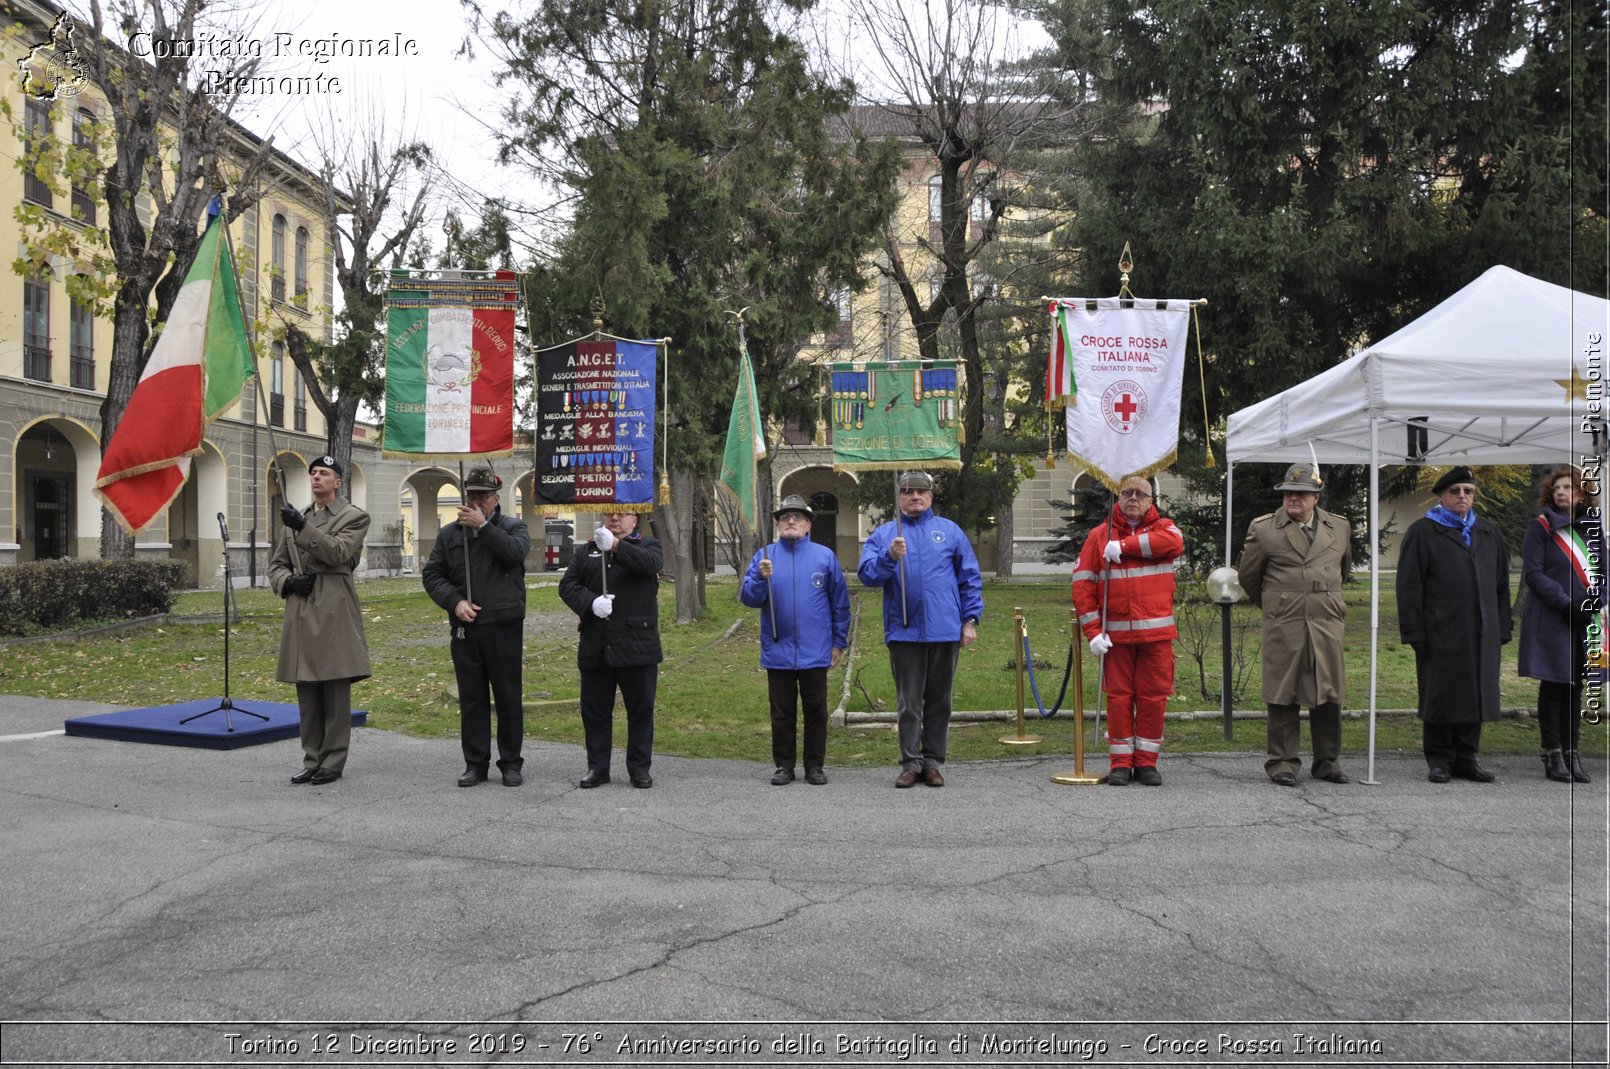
(1129, 561)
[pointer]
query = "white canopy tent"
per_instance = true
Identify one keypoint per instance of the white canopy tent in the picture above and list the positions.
(1509, 370)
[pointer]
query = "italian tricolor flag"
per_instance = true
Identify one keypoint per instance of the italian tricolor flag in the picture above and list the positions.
(1060, 385)
(449, 380)
(196, 371)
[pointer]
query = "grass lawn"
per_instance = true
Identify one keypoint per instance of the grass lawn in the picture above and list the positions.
(712, 692)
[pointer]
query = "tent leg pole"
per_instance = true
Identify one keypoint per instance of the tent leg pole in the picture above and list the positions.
(1375, 580)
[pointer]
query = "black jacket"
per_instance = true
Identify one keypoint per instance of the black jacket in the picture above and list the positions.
(497, 568)
(631, 635)
(1453, 608)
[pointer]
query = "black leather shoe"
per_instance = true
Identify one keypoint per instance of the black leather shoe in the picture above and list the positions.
(1338, 776)
(1438, 775)
(323, 776)
(642, 781)
(1148, 776)
(303, 776)
(1283, 779)
(782, 777)
(472, 776)
(593, 778)
(815, 777)
(512, 777)
(1472, 771)
(1118, 777)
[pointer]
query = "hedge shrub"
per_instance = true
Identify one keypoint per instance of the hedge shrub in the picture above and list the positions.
(50, 595)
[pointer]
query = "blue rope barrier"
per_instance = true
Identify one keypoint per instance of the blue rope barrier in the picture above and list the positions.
(1067, 671)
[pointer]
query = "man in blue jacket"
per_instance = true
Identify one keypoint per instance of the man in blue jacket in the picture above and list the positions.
(804, 628)
(933, 598)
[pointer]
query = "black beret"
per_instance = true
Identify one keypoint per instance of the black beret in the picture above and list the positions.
(1452, 476)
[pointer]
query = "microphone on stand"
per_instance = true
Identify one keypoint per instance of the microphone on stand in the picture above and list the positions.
(223, 527)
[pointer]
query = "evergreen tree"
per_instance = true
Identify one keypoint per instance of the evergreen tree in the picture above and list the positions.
(695, 137)
(1322, 174)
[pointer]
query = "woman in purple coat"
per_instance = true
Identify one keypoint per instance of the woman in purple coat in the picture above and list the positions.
(1562, 567)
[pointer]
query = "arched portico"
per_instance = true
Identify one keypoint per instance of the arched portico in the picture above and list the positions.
(56, 512)
(194, 538)
(824, 488)
(424, 512)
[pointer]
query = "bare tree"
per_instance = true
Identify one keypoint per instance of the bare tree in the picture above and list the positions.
(984, 130)
(377, 194)
(172, 148)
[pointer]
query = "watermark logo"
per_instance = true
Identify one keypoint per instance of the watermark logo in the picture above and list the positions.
(54, 70)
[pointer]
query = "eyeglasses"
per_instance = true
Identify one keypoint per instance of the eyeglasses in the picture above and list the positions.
(1134, 494)
(1461, 491)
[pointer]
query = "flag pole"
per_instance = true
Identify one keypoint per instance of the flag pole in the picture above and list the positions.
(464, 499)
(279, 469)
(743, 360)
(901, 563)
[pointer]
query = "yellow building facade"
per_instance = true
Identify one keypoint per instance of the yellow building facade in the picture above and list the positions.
(55, 352)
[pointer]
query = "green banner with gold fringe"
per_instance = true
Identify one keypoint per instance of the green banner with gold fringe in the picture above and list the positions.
(889, 415)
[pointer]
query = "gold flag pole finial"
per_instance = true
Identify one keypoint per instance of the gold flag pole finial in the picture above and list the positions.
(1126, 264)
(596, 307)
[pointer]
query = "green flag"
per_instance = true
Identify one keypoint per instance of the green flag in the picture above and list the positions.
(886, 415)
(746, 444)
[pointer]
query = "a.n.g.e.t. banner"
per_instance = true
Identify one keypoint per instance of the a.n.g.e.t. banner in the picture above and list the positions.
(595, 425)
(450, 366)
(888, 415)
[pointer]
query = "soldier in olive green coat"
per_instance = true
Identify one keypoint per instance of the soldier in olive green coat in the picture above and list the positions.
(322, 648)
(1293, 566)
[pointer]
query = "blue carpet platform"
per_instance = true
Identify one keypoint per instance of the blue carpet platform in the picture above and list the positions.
(160, 724)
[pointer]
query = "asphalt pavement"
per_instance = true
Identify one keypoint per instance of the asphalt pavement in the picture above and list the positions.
(174, 906)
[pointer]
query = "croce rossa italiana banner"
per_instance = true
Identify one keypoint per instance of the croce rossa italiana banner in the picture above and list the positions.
(1122, 362)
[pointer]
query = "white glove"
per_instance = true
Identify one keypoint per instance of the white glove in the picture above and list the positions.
(1100, 644)
(604, 539)
(603, 605)
(1113, 552)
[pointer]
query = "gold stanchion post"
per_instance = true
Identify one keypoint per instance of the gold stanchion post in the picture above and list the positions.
(1077, 777)
(1021, 629)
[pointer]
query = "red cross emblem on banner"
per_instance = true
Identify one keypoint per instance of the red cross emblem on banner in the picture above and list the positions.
(1122, 405)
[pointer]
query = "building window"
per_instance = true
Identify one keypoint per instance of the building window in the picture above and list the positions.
(276, 385)
(840, 297)
(85, 167)
(276, 262)
(36, 328)
(81, 347)
(299, 401)
(37, 133)
(936, 200)
(301, 262)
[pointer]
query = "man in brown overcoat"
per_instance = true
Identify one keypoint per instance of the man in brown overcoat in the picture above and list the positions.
(322, 648)
(1293, 566)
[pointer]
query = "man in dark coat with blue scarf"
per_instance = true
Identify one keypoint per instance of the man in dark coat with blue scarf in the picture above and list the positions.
(1454, 610)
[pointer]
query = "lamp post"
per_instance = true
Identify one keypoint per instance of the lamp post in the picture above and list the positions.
(1224, 587)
